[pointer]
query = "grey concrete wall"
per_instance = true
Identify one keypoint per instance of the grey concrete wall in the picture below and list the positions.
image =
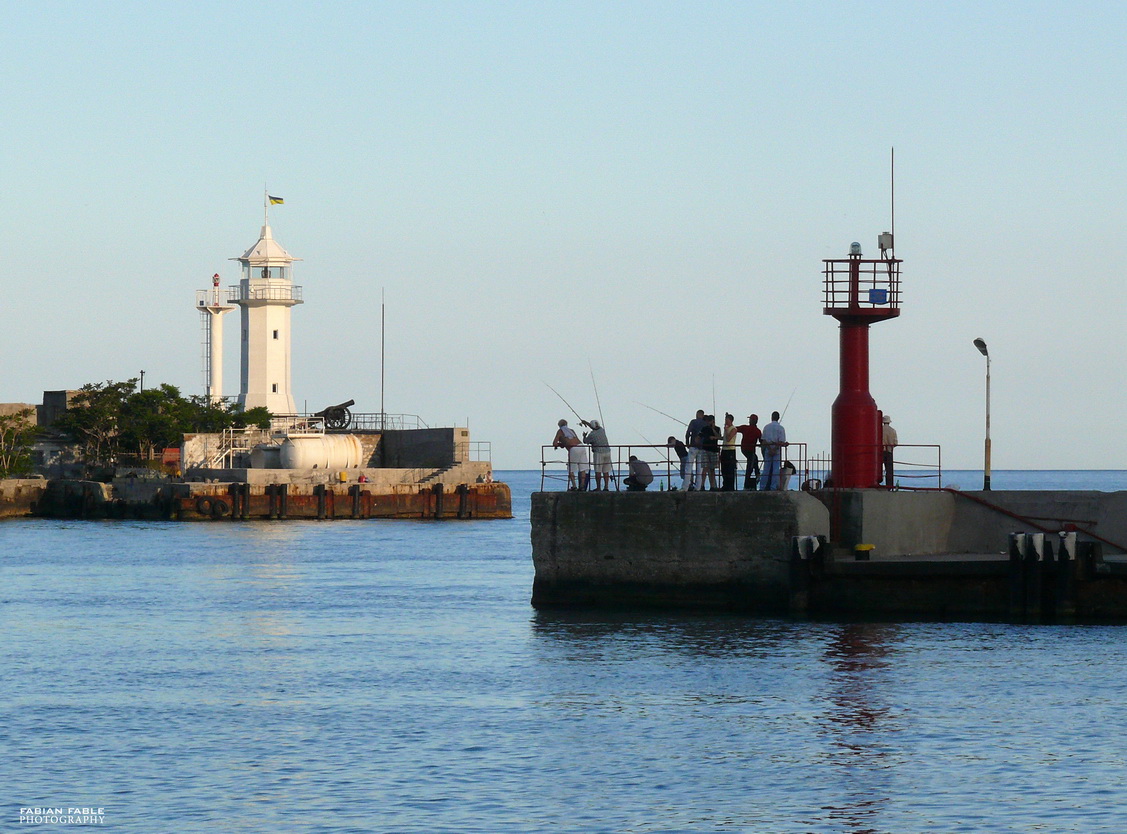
(928, 523)
(709, 548)
(977, 528)
(54, 404)
(895, 523)
(423, 448)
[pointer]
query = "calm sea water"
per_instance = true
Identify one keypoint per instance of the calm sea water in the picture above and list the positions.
(392, 677)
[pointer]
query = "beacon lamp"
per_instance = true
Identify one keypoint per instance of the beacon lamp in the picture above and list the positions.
(981, 345)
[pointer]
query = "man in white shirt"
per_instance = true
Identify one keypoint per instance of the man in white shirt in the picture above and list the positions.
(774, 440)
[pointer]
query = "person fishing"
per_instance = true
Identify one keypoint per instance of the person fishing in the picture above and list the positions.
(596, 438)
(889, 442)
(578, 464)
(774, 440)
(749, 439)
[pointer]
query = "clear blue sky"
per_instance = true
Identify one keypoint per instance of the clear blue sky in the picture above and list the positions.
(645, 190)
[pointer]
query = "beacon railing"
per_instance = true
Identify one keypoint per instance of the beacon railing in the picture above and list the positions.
(877, 286)
(241, 293)
(665, 465)
(211, 298)
(920, 464)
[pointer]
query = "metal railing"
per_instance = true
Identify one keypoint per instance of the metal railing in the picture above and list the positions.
(479, 450)
(664, 464)
(378, 421)
(923, 465)
(296, 424)
(234, 442)
(211, 298)
(854, 284)
(240, 293)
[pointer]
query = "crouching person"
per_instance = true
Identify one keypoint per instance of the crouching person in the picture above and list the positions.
(640, 477)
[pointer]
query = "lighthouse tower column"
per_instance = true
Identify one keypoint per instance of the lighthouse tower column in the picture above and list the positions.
(212, 307)
(266, 295)
(857, 293)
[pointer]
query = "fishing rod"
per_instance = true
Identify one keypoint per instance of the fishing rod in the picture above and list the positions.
(662, 413)
(791, 397)
(565, 402)
(602, 422)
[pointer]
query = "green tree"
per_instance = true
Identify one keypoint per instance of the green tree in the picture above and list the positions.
(94, 419)
(154, 419)
(17, 434)
(110, 418)
(258, 416)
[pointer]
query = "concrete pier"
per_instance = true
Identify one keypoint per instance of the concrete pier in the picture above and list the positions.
(900, 555)
(713, 549)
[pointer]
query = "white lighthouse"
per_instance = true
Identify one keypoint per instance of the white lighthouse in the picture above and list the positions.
(212, 307)
(266, 293)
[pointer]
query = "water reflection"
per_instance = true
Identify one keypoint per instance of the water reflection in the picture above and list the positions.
(591, 634)
(859, 717)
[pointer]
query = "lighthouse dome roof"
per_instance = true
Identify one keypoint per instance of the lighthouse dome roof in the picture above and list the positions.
(266, 252)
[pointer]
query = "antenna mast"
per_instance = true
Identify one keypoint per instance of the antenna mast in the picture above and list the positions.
(383, 329)
(892, 195)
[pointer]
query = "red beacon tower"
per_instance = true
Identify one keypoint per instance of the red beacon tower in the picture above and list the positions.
(859, 292)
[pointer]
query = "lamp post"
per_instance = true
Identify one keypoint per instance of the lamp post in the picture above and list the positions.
(981, 345)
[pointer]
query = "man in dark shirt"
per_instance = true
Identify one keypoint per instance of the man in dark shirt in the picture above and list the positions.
(692, 440)
(682, 458)
(709, 451)
(640, 477)
(749, 439)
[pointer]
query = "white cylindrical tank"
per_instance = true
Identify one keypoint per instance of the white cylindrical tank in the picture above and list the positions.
(322, 451)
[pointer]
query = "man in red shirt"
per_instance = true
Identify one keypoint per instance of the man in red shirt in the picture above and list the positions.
(749, 439)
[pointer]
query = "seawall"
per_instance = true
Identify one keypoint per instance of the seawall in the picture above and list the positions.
(669, 548)
(934, 554)
(165, 500)
(19, 495)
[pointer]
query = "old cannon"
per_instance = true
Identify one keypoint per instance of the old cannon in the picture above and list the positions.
(337, 417)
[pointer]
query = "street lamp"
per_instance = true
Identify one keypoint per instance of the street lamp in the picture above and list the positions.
(981, 345)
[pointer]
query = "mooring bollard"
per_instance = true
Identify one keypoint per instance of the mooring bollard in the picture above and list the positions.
(1034, 554)
(437, 489)
(1016, 604)
(807, 554)
(1066, 575)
